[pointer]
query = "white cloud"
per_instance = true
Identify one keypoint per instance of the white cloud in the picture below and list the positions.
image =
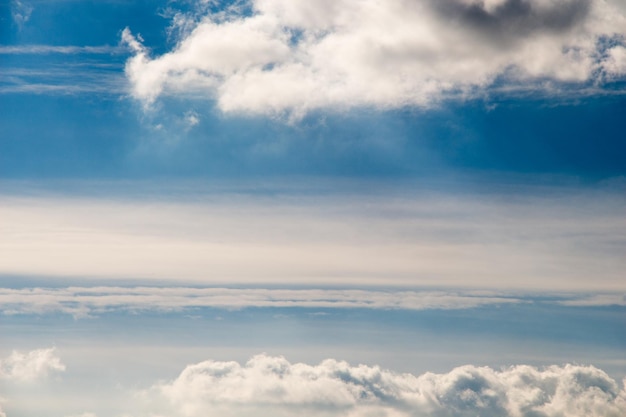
(20, 12)
(191, 119)
(273, 386)
(86, 301)
(59, 49)
(615, 64)
(30, 366)
(295, 55)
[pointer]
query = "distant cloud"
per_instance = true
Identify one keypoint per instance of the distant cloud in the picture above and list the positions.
(90, 301)
(30, 366)
(20, 12)
(92, 77)
(273, 386)
(294, 56)
(59, 49)
(86, 301)
(596, 300)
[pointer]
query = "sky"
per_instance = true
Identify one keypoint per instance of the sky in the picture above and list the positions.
(335, 208)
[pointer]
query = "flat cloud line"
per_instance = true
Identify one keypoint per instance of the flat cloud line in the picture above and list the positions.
(61, 49)
(90, 301)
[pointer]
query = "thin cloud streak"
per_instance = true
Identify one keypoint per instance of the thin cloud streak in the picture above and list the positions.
(68, 78)
(61, 49)
(91, 301)
(88, 301)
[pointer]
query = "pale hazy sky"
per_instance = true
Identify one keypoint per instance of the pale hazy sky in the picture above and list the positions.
(331, 208)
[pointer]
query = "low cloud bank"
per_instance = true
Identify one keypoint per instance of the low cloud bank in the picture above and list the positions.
(294, 56)
(273, 386)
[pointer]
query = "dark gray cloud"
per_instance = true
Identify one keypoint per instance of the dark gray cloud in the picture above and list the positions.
(515, 18)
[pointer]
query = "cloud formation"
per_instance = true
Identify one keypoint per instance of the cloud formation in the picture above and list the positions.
(59, 49)
(558, 242)
(20, 12)
(278, 387)
(30, 366)
(90, 301)
(286, 56)
(86, 301)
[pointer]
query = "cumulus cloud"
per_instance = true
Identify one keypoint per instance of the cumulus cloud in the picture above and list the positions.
(294, 56)
(278, 387)
(30, 366)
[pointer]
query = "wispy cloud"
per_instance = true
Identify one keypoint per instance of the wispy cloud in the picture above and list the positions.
(90, 301)
(64, 78)
(61, 49)
(86, 301)
(279, 388)
(21, 12)
(596, 300)
(296, 56)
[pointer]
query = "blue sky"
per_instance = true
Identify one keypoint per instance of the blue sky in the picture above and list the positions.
(337, 208)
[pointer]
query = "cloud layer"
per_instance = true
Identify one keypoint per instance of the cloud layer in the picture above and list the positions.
(277, 56)
(274, 386)
(85, 301)
(89, 301)
(559, 242)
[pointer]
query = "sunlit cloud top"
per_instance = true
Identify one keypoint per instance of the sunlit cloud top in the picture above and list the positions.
(276, 56)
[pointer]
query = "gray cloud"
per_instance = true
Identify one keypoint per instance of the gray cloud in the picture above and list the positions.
(274, 386)
(516, 18)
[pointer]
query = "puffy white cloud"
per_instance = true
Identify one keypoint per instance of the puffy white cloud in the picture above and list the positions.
(273, 386)
(30, 366)
(615, 64)
(294, 55)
